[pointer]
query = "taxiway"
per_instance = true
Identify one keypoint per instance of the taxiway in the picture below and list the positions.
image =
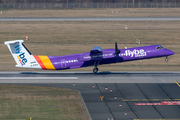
(89, 18)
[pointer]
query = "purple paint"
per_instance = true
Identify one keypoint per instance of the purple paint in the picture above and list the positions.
(107, 56)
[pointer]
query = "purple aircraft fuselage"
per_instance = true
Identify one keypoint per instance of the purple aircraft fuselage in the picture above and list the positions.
(95, 57)
(108, 57)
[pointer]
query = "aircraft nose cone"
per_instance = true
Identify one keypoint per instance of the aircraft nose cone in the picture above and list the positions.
(170, 52)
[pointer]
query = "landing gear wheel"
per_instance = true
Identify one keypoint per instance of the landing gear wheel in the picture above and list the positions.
(95, 70)
(166, 59)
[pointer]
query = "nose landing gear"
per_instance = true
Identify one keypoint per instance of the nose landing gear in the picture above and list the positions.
(166, 59)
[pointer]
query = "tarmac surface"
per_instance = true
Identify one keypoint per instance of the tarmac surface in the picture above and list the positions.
(118, 104)
(89, 18)
(89, 77)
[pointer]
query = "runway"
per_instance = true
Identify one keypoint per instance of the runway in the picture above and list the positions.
(89, 18)
(89, 77)
(121, 92)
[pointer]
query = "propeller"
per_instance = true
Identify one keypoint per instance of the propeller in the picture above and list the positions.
(117, 51)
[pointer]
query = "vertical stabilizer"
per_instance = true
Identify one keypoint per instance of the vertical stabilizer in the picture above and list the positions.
(21, 54)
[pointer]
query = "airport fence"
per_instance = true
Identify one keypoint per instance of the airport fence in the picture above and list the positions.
(88, 5)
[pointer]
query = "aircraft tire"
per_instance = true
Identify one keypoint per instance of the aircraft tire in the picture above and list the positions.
(95, 70)
(166, 59)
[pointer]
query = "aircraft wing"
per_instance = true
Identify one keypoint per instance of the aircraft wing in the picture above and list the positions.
(96, 54)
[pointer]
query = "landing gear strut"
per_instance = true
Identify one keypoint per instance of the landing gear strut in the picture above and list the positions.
(166, 59)
(95, 70)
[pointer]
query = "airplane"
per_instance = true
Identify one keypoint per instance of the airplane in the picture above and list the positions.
(95, 57)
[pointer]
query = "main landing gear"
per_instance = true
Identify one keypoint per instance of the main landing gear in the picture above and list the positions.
(166, 59)
(95, 70)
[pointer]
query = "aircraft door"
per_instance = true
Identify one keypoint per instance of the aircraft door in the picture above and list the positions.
(63, 63)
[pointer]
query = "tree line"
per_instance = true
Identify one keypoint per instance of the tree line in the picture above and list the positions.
(86, 1)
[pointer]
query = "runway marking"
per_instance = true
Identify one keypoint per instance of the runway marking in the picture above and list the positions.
(155, 99)
(177, 83)
(167, 99)
(176, 99)
(134, 99)
(162, 103)
(22, 78)
(151, 100)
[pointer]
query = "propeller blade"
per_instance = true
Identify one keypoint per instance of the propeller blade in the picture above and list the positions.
(116, 46)
(117, 51)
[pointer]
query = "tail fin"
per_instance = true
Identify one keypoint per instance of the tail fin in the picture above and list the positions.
(21, 54)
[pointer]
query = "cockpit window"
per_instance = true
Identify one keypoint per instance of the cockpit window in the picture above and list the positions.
(159, 47)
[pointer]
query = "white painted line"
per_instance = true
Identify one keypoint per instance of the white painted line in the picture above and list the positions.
(21, 78)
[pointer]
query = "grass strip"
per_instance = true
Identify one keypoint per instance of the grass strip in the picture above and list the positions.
(41, 103)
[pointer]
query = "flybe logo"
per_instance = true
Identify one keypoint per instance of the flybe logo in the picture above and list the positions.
(135, 53)
(22, 59)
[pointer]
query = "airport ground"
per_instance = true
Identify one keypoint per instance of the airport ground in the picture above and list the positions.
(126, 95)
(19, 102)
(118, 104)
(61, 38)
(93, 12)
